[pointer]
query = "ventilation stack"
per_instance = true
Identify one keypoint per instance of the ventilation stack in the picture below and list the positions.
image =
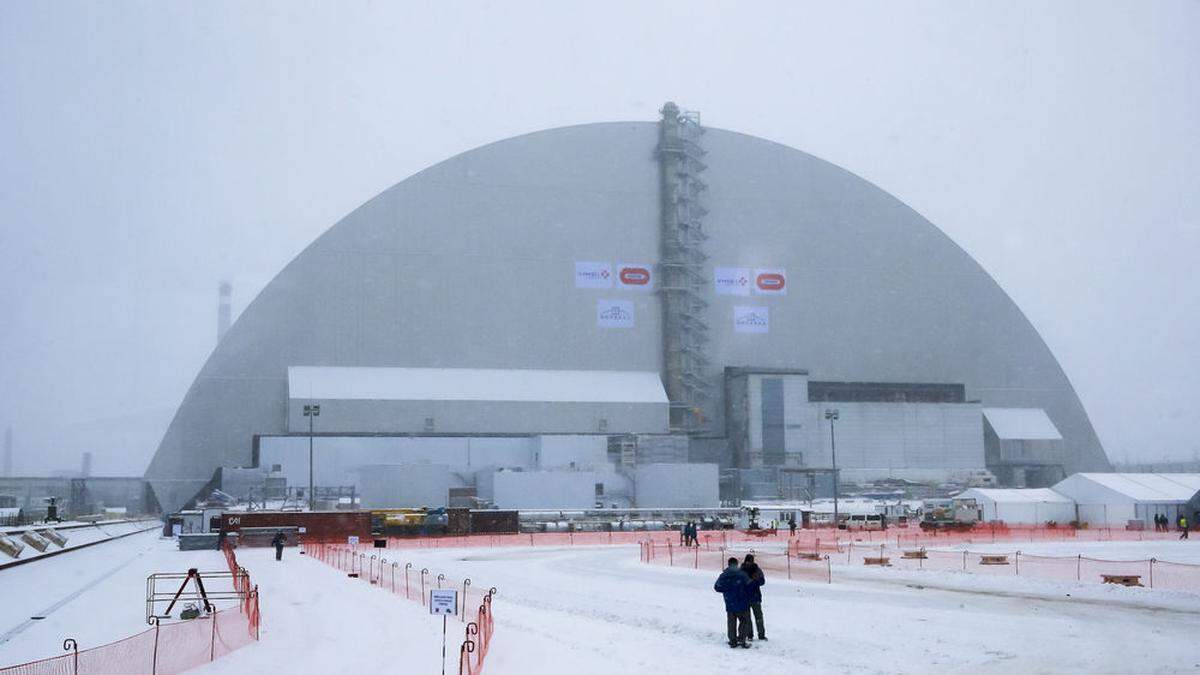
(224, 292)
(682, 258)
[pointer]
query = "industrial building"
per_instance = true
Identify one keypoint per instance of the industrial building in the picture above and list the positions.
(555, 317)
(75, 496)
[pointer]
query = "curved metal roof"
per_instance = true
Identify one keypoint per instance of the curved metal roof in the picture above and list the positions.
(470, 264)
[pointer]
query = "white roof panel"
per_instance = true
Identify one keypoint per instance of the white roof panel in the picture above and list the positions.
(1022, 424)
(475, 384)
(1149, 487)
(1018, 496)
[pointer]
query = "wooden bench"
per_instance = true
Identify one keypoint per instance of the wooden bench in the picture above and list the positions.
(993, 560)
(916, 555)
(1122, 579)
(805, 555)
(882, 562)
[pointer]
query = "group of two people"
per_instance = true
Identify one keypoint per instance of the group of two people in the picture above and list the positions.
(687, 534)
(741, 587)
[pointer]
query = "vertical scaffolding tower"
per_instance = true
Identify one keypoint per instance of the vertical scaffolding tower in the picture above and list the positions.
(681, 269)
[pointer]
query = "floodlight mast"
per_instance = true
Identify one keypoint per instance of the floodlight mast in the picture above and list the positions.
(311, 412)
(831, 414)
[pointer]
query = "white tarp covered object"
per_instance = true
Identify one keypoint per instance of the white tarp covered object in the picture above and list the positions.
(1034, 506)
(1117, 498)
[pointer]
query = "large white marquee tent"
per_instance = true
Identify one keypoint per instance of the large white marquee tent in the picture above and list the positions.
(1114, 499)
(1032, 506)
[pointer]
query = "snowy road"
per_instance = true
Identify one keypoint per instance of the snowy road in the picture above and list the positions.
(315, 620)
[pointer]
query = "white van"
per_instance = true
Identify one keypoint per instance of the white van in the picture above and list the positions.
(863, 522)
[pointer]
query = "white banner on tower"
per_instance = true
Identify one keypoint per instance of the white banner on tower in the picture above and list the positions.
(749, 319)
(731, 280)
(614, 313)
(593, 275)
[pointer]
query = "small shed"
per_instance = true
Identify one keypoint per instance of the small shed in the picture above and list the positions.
(1114, 499)
(1033, 506)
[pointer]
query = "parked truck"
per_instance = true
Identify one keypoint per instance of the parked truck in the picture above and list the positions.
(950, 514)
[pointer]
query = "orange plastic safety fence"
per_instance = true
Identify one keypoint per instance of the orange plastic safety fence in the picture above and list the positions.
(786, 563)
(164, 649)
(414, 584)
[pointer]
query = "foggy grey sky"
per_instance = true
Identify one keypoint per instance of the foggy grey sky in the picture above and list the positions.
(148, 150)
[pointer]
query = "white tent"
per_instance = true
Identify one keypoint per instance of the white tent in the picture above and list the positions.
(1117, 498)
(1032, 506)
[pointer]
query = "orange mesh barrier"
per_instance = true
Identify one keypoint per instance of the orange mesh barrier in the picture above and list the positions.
(371, 566)
(1151, 573)
(165, 649)
(787, 564)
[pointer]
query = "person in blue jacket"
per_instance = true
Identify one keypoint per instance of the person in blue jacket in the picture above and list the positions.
(754, 592)
(734, 584)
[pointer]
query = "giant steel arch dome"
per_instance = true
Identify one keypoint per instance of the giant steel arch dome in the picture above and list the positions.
(469, 264)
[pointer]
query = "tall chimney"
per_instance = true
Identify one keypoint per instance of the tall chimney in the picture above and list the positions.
(86, 469)
(224, 291)
(8, 452)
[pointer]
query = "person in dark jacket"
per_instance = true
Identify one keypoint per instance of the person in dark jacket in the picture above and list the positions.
(278, 542)
(792, 526)
(734, 584)
(754, 593)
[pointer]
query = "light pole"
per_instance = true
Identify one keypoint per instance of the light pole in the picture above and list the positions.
(311, 412)
(831, 414)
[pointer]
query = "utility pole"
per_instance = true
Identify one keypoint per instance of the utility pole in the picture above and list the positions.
(832, 415)
(311, 412)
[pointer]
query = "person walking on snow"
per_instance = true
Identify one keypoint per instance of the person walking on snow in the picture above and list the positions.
(754, 593)
(1183, 525)
(278, 542)
(733, 585)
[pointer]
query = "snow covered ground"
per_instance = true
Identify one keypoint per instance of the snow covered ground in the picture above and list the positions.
(584, 610)
(95, 595)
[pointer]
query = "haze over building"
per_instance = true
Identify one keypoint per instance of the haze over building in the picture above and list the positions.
(581, 302)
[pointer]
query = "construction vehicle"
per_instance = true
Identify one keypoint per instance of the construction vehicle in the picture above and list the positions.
(409, 522)
(950, 514)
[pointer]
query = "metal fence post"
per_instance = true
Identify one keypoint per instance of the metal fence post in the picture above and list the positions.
(72, 646)
(424, 571)
(964, 561)
(154, 655)
(1017, 563)
(1152, 561)
(212, 644)
(463, 614)
(1079, 567)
